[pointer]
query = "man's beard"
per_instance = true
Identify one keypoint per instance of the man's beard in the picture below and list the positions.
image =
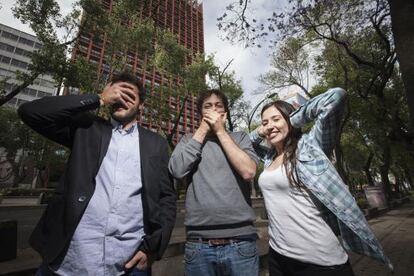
(126, 117)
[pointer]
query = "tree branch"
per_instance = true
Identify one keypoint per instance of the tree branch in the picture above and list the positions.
(7, 97)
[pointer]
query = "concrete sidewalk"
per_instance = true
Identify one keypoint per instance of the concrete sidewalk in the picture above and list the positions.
(395, 230)
(172, 262)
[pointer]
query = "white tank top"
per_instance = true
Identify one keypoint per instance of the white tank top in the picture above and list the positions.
(296, 227)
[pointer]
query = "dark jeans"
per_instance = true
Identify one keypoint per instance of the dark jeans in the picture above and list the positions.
(280, 265)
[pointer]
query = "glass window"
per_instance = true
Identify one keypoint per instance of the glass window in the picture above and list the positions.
(20, 101)
(47, 83)
(26, 41)
(18, 63)
(4, 59)
(30, 92)
(22, 52)
(9, 35)
(42, 94)
(6, 47)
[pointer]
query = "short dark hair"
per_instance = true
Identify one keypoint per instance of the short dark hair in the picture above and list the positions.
(206, 94)
(128, 77)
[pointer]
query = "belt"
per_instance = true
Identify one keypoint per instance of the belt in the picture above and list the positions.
(218, 226)
(214, 242)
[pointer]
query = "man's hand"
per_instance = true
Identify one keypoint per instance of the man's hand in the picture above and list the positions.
(140, 260)
(119, 93)
(215, 120)
(201, 132)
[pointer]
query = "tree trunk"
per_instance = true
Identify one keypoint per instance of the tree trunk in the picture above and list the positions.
(408, 176)
(367, 167)
(231, 127)
(402, 17)
(170, 136)
(384, 170)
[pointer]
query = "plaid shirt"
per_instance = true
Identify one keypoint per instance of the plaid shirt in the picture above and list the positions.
(320, 177)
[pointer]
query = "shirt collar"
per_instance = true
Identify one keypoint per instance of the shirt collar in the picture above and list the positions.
(117, 126)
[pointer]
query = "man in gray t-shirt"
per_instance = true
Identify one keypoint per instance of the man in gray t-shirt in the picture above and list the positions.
(218, 165)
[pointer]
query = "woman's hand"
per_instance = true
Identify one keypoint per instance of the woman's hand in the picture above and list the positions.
(261, 131)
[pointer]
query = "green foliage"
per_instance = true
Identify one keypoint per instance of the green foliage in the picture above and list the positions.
(126, 35)
(170, 56)
(124, 31)
(354, 48)
(228, 83)
(290, 66)
(22, 144)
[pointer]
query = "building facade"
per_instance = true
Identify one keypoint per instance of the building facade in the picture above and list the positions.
(295, 98)
(182, 17)
(16, 48)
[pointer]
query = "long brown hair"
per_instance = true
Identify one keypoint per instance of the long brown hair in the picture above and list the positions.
(290, 143)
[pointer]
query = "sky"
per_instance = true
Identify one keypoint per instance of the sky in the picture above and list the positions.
(248, 63)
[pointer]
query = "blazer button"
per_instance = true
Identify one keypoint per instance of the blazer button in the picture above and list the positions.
(82, 198)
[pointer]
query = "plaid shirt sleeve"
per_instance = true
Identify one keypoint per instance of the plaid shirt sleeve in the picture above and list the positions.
(326, 110)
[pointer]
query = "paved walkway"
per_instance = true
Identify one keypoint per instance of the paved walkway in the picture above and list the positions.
(395, 230)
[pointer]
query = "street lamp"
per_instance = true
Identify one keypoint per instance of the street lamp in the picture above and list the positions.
(256, 107)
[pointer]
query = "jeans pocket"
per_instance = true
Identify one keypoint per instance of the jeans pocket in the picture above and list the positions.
(247, 249)
(190, 252)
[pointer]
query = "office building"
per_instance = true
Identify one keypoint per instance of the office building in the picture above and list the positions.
(16, 48)
(182, 17)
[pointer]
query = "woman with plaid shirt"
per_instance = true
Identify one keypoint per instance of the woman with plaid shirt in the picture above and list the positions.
(307, 202)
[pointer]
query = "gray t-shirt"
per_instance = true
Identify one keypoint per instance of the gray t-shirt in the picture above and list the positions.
(217, 197)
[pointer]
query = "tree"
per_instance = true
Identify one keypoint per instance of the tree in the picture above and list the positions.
(53, 58)
(373, 122)
(227, 82)
(91, 17)
(402, 28)
(191, 83)
(240, 26)
(21, 144)
(357, 53)
(125, 32)
(290, 66)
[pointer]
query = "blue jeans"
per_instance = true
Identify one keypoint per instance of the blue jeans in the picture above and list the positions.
(234, 259)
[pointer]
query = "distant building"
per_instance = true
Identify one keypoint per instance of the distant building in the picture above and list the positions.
(16, 48)
(295, 98)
